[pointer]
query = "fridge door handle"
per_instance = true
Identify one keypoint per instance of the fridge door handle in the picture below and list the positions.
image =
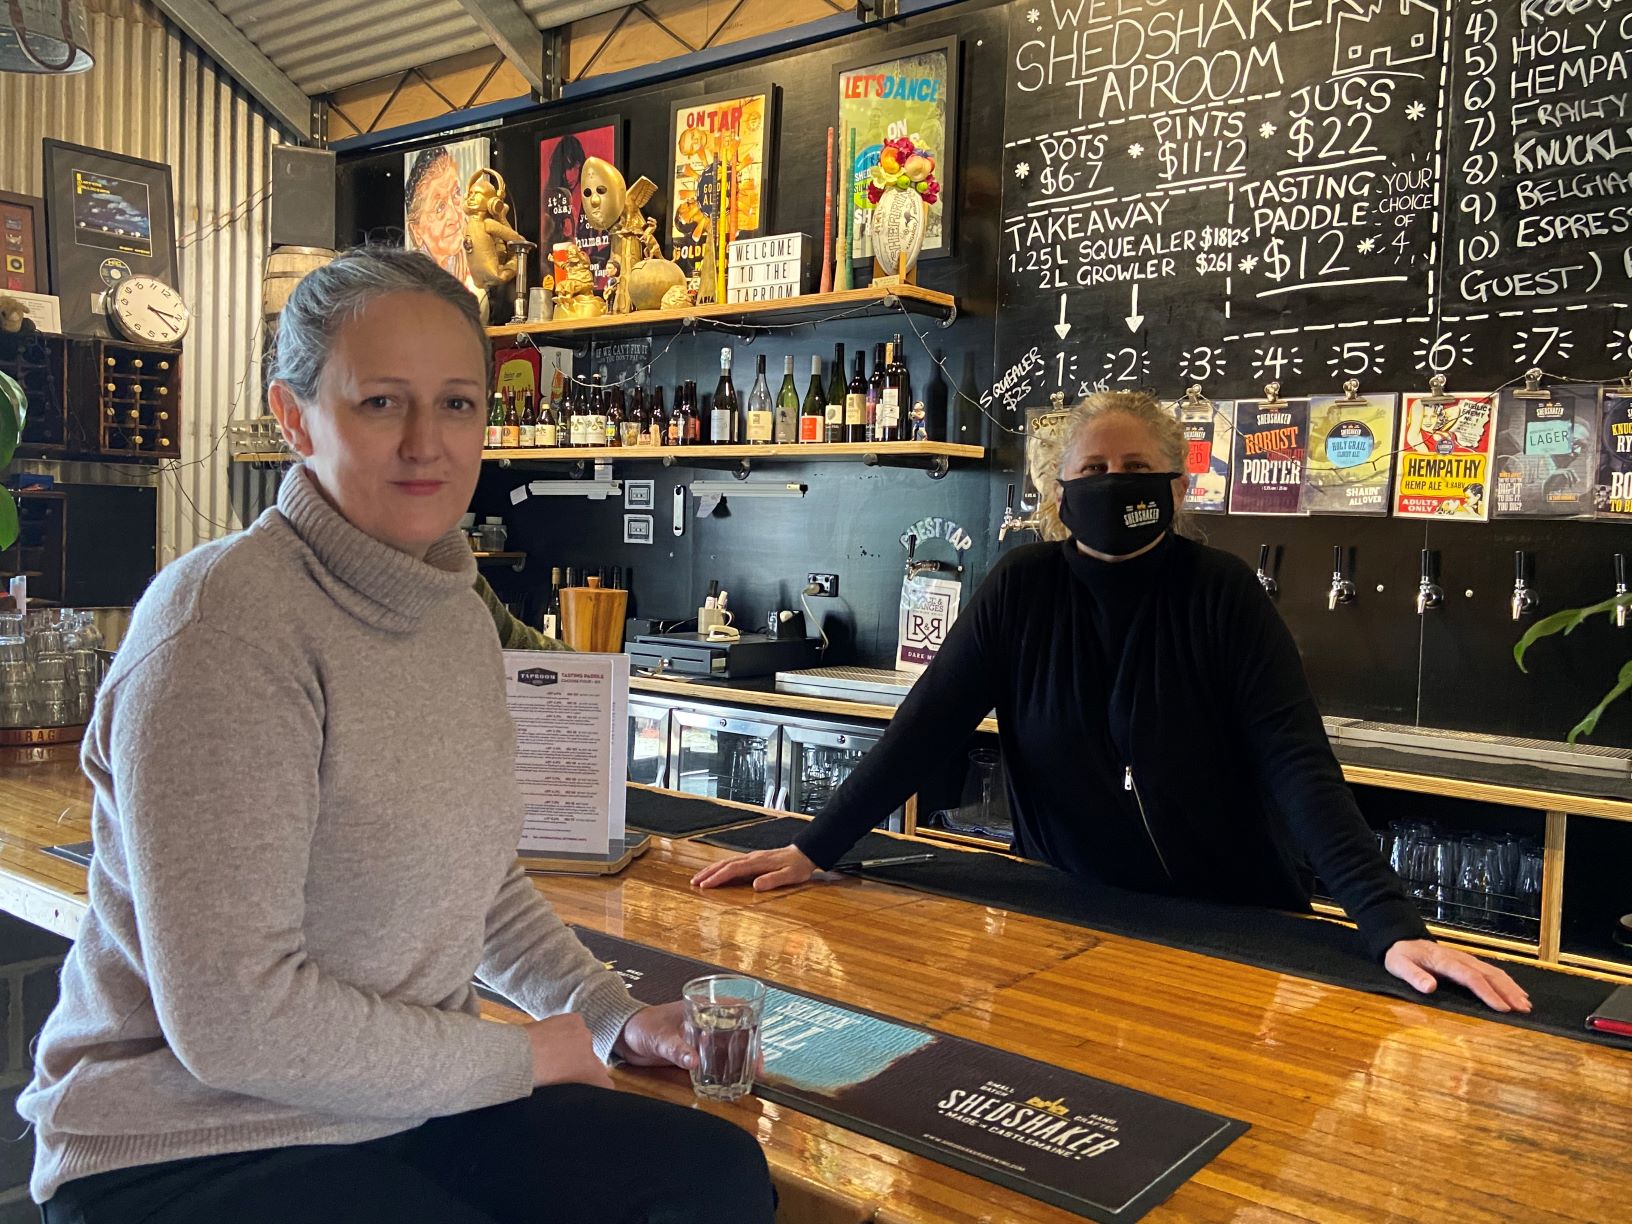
(781, 803)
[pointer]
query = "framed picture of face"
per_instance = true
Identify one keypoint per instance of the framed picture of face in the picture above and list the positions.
(721, 149)
(22, 244)
(912, 94)
(561, 160)
(108, 217)
(433, 201)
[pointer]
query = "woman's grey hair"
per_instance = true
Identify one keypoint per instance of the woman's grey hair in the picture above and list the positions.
(329, 297)
(1165, 431)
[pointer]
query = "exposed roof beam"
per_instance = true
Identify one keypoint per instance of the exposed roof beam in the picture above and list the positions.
(224, 43)
(515, 35)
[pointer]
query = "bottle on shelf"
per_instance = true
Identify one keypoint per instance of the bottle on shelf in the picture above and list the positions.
(761, 409)
(633, 432)
(529, 420)
(875, 391)
(495, 419)
(677, 433)
(722, 416)
(696, 422)
(547, 432)
(855, 403)
(576, 415)
(833, 425)
(549, 624)
(887, 423)
(813, 415)
(510, 435)
(657, 421)
(787, 406)
(903, 386)
(613, 429)
(595, 430)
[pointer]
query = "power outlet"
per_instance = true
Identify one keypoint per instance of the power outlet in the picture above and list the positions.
(829, 584)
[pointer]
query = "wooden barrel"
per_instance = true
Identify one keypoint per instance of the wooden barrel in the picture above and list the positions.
(285, 267)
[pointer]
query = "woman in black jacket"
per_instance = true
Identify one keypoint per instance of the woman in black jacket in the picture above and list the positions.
(1157, 728)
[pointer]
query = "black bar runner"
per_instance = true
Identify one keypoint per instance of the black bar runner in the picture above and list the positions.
(670, 815)
(1268, 939)
(1095, 1148)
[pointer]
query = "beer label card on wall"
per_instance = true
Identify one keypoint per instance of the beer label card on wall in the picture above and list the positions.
(1545, 452)
(1351, 454)
(1271, 449)
(1612, 498)
(1208, 434)
(1444, 468)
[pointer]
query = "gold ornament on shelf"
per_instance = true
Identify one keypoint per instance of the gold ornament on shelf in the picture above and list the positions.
(677, 298)
(575, 290)
(493, 248)
(637, 274)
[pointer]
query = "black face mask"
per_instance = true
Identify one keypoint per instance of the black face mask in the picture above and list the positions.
(1117, 513)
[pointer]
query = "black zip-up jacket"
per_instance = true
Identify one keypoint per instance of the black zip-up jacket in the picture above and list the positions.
(1158, 734)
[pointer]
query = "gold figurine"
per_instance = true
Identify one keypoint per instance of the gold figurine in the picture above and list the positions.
(493, 249)
(638, 276)
(575, 290)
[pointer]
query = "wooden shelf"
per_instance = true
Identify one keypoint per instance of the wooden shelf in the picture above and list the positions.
(499, 557)
(936, 458)
(807, 308)
(267, 457)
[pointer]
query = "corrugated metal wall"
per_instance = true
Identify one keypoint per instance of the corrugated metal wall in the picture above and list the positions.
(153, 94)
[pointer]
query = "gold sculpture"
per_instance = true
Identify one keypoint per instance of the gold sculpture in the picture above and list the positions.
(637, 274)
(487, 233)
(575, 291)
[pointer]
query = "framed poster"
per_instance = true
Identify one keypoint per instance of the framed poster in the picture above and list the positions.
(707, 135)
(22, 244)
(1612, 498)
(913, 93)
(108, 217)
(433, 201)
(560, 208)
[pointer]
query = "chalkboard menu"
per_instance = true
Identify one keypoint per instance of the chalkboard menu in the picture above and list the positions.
(1237, 191)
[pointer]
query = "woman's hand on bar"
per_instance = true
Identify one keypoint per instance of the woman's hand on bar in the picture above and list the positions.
(564, 1054)
(1422, 962)
(766, 868)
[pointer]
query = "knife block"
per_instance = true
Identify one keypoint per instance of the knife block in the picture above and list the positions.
(592, 617)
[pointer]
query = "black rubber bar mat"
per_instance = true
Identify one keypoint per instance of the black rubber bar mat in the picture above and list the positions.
(1269, 939)
(671, 816)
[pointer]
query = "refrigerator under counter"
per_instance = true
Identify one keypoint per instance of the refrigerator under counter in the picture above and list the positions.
(692, 654)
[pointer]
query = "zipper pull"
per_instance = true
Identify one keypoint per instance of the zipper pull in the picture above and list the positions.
(1127, 777)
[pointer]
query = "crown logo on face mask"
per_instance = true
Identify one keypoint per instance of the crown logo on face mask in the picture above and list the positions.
(1141, 514)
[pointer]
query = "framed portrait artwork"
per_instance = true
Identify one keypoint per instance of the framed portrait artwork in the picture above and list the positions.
(729, 135)
(108, 217)
(561, 157)
(912, 93)
(22, 244)
(433, 200)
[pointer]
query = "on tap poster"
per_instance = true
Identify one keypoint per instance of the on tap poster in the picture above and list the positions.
(1351, 454)
(1208, 433)
(1271, 448)
(727, 136)
(1545, 453)
(1613, 496)
(1445, 457)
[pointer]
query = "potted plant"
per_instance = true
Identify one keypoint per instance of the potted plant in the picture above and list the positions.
(1565, 622)
(13, 412)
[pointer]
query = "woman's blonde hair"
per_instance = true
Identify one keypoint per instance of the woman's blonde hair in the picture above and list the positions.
(1059, 442)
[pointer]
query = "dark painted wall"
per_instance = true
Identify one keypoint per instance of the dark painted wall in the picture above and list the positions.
(1375, 659)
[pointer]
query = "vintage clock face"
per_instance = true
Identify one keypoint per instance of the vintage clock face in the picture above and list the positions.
(148, 311)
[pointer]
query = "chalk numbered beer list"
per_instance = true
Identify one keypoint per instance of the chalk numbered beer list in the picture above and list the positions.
(1233, 192)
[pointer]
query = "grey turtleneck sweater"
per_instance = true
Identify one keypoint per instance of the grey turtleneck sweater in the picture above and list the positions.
(306, 821)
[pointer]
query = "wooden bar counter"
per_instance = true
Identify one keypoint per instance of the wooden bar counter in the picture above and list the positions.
(1363, 1108)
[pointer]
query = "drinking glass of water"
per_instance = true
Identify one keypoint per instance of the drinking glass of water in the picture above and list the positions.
(723, 1015)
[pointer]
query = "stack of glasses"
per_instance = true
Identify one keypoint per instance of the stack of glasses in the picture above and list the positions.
(1490, 882)
(49, 668)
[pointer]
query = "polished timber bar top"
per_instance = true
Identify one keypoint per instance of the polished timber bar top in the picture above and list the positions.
(1363, 1108)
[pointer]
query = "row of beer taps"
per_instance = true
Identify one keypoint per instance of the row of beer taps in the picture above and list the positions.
(1523, 602)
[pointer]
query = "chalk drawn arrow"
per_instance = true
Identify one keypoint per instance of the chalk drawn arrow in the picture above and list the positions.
(1062, 329)
(1135, 320)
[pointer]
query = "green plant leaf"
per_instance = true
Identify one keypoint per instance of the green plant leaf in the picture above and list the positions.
(8, 520)
(1589, 724)
(13, 415)
(1563, 622)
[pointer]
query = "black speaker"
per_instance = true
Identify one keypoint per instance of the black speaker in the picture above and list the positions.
(303, 187)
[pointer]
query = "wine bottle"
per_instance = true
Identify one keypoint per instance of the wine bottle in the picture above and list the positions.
(529, 420)
(888, 422)
(595, 429)
(903, 376)
(634, 419)
(677, 419)
(813, 416)
(761, 409)
(612, 430)
(511, 434)
(855, 403)
(875, 392)
(695, 421)
(495, 419)
(833, 426)
(549, 623)
(722, 416)
(657, 422)
(787, 406)
(548, 430)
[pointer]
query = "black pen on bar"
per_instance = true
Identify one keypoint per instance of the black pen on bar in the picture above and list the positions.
(897, 861)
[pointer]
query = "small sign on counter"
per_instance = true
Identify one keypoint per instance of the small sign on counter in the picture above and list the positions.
(572, 726)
